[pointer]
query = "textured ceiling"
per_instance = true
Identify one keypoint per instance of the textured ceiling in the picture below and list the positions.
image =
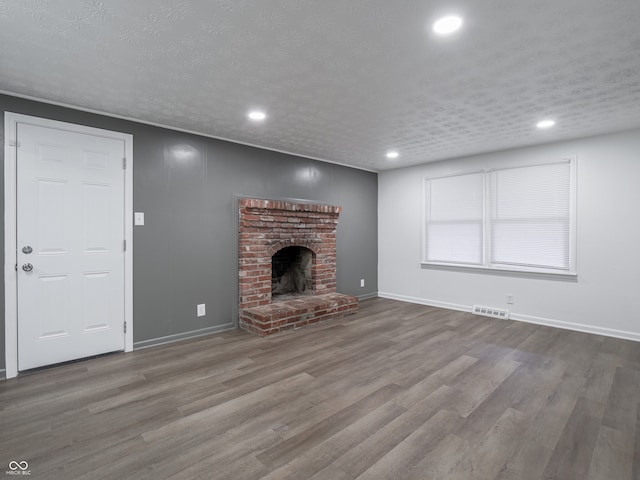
(340, 80)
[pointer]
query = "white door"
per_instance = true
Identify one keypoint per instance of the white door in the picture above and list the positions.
(70, 252)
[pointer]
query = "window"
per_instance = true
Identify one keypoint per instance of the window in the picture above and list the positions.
(454, 219)
(519, 218)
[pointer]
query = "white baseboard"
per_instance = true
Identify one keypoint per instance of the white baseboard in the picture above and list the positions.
(577, 327)
(548, 322)
(426, 301)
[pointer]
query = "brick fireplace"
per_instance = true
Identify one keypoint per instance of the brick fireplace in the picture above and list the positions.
(287, 265)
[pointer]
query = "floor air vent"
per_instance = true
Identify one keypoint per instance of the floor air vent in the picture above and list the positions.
(490, 312)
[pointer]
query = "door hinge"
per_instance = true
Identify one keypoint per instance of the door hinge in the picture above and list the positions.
(124, 163)
(125, 327)
(14, 143)
(16, 267)
(124, 245)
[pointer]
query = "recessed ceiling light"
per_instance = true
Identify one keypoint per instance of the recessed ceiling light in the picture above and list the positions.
(447, 25)
(392, 154)
(257, 115)
(545, 123)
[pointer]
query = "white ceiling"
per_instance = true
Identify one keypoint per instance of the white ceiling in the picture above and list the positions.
(340, 80)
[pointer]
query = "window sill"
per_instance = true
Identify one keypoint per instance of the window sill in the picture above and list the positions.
(510, 272)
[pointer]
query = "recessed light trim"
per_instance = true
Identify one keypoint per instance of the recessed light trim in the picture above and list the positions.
(257, 115)
(392, 154)
(548, 123)
(447, 25)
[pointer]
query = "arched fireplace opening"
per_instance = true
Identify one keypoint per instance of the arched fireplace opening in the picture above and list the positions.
(291, 272)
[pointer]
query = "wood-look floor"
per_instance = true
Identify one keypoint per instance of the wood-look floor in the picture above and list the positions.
(398, 391)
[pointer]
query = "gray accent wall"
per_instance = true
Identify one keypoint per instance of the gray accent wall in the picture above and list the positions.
(187, 186)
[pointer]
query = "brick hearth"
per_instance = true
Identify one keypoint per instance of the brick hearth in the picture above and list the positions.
(267, 226)
(297, 312)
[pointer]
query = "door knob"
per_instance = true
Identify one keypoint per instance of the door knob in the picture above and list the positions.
(27, 267)
(27, 249)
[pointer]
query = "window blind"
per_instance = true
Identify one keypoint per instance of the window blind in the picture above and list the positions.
(530, 216)
(454, 219)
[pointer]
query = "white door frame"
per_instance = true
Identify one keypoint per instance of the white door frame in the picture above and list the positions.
(10, 228)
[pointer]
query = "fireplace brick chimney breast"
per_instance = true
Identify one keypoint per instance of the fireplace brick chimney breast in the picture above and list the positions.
(268, 226)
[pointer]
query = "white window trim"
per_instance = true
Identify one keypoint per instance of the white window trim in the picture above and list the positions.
(10, 247)
(571, 272)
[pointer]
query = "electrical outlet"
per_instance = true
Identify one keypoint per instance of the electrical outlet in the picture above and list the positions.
(138, 218)
(201, 310)
(509, 298)
(361, 282)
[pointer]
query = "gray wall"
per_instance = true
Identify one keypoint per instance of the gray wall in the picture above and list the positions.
(185, 253)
